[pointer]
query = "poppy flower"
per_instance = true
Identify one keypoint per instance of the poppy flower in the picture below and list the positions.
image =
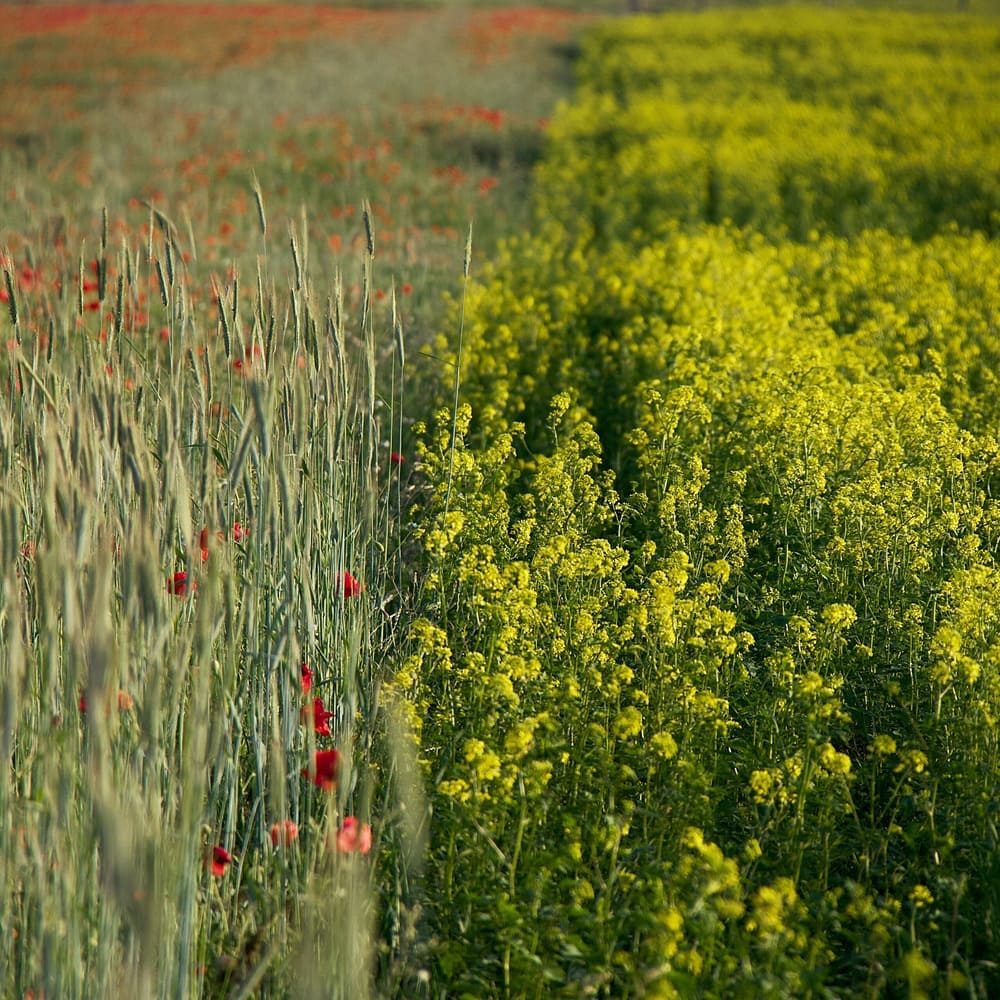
(247, 362)
(178, 584)
(349, 587)
(241, 532)
(307, 679)
(124, 701)
(353, 837)
(203, 544)
(324, 770)
(320, 717)
(284, 833)
(219, 861)
(30, 278)
(397, 459)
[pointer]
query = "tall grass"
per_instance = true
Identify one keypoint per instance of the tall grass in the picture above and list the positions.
(183, 491)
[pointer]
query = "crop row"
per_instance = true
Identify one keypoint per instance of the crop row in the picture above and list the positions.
(708, 674)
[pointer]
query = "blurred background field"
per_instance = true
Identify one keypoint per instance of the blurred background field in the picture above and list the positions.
(435, 116)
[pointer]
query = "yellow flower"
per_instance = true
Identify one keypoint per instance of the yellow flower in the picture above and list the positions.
(628, 724)
(664, 745)
(883, 746)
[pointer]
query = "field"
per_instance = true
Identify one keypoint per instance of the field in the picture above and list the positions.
(499, 502)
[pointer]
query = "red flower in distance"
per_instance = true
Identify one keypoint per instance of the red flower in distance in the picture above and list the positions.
(320, 717)
(29, 277)
(219, 861)
(349, 587)
(324, 770)
(284, 833)
(249, 360)
(353, 837)
(241, 532)
(307, 679)
(179, 584)
(397, 458)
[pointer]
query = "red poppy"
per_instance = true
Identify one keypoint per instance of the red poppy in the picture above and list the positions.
(349, 587)
(241, 532)
(219, 860)
(320, 717)
(124, 701)
(307, 678)
(284, 833)
(324, 770)
(250, 353)
(203, 544)
(30, 278)
(490, 116)
(352, 836)
(178, 584)
(397, 459)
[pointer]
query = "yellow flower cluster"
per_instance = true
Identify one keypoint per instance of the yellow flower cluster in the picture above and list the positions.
(784, 122)
(714, 643)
